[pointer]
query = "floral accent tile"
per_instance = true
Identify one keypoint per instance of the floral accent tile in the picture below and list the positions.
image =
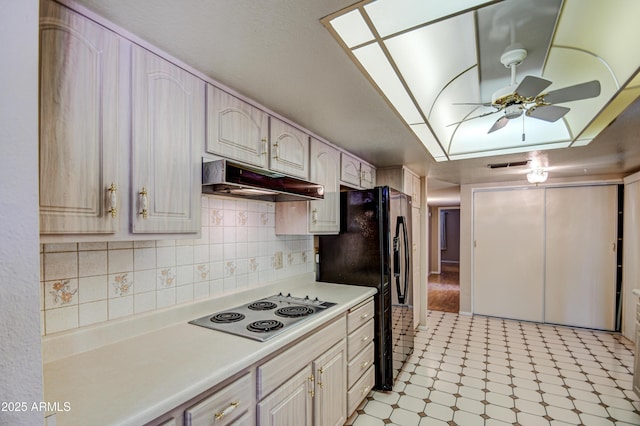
(253, 264)
(167, 277)
(243, 218)
(264, 218)
(62, 293)
(276, 260)
(304, 256)
(217, 217)
(201, 272)
(121, 284)
(230, 268)
(290, 258)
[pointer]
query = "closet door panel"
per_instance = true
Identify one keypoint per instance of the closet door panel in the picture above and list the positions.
(580, 278)
(508, 270)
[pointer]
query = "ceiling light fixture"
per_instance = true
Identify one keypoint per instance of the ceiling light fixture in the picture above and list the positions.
(537, 176)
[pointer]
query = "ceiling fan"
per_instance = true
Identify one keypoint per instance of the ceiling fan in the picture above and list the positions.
(528, 97)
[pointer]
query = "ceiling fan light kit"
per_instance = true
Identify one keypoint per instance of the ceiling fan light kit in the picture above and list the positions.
(537, 176)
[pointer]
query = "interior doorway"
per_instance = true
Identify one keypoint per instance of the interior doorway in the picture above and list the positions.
(443, 285)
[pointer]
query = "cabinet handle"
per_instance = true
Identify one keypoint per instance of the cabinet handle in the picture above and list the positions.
(264, 146)
(276, 151)
(364, 365)
(312, 390)
(364, 316)
(613, 246)
(113, 200)
(144, 203)
(314, 216)
(221, 414)
(365, 338)
(365, 390)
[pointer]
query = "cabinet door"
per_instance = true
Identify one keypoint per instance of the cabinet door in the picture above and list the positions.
(325, 170)
(236, 129)
(79, 72)
(416, 191)
(367, 176)
(330, 371)
(291, 403)
(289, 148)
(508, 233)
(167, 138)
(349, 170)
(580, 273)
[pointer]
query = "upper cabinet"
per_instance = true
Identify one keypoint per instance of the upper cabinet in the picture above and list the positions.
(402, 179)
(355, 173)
(315, 216)
(236, 129)
(167, 145)
(121, 133)
(289, 149)
(80, 188)
(325, 170)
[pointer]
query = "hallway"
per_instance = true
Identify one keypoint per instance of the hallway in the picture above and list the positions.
(443, 290)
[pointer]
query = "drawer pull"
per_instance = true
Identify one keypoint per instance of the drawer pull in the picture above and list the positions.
(221, 414)
(364, 365)
(364, 316)
(365, 390)
(365, 338)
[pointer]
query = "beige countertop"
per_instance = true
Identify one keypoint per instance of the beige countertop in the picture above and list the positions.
(156, 362)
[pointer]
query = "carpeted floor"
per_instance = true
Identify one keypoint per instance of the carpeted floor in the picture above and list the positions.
(444, 289)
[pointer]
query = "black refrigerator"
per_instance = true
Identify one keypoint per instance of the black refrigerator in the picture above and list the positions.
(374, 249)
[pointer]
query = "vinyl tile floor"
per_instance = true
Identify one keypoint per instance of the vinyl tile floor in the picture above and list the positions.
(475, 370)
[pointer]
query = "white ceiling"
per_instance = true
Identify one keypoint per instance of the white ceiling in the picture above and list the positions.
(278, 53)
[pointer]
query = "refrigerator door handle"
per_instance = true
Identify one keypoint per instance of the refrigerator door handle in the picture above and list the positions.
(400, 223)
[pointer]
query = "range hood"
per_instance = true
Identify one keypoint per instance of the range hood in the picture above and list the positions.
(223, 177)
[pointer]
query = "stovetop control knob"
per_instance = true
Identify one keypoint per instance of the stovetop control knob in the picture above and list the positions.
(316, 300)
(288, 294)
(306, 297)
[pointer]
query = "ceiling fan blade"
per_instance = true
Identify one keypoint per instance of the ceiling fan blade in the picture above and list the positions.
(471, 118)
(487, 104)
(531, 86)
(587, 90)
(499, 124)
(548, 113)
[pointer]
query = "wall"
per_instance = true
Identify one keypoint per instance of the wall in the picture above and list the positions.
(88, 283)
(20, 353)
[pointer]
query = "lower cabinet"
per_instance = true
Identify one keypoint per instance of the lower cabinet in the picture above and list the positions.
(360, 354)
(291, 403)
(295, 387)
(316, 394)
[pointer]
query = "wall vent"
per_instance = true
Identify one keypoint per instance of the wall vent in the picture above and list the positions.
(511, 164)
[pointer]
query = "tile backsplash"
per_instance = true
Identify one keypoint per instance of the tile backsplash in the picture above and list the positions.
(88, 283)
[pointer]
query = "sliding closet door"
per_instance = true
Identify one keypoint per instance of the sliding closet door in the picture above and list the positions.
(580, 279)
(509, 253)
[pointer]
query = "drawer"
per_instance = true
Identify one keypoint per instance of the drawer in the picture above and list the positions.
(360, 390)
(358, 365)
(359, 339)
(359, 315)
(224, 406)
